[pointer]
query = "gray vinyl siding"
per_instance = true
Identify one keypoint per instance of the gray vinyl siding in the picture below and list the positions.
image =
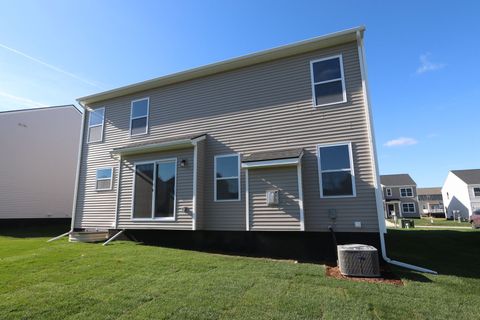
(256, 108)
(396, 195)
(285, 216)
(184, 191)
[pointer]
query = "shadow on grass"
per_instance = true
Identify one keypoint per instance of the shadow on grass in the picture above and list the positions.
(448, 252)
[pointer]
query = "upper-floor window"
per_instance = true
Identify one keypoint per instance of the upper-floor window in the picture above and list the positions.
(408, 207)
(139, 116)
(476, 192)
(104, 179)
(406, 192)
(227, 177)
(96, 119)
(335, 166)
(328, 83)
(388, 192)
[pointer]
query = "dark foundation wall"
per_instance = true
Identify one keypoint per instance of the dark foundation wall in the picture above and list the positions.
(302, 246)
(40, 222)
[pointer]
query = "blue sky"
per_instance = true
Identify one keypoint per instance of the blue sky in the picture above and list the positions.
(423, 60)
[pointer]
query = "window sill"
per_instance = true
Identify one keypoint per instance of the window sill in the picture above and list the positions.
(337, 197)
(154, 219)
(329, 104)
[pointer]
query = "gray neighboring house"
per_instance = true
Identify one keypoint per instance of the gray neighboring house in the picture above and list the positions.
(400, 196)
(38, 162)
(430, 202)
(270, 144)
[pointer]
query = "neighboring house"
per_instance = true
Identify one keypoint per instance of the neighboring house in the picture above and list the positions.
(430, 202)
(276, 141)
(400, 196)
(38, 162)
(461, 193)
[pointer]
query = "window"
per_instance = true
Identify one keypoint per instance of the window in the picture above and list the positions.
(389, 192)
(336, 170)
(227, 178)
(104, 179)
(476, 192)
(328, 83)
(406, 192)
(96, 120)
(154, 194)
(408, 207)
(139, 116)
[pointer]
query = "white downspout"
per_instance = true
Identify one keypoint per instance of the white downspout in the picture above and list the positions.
(378, 195)
(77, 177)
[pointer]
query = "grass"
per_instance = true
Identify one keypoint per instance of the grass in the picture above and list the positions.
(425, 221)
(62, 280)
(438, 222)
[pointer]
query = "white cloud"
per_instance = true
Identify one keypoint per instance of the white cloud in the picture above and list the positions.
(426, 65)
(399, 142)
(19, 102)
(52, 67)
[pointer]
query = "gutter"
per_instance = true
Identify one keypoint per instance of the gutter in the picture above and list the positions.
(79, 162)
(378, 195)
(77, 177)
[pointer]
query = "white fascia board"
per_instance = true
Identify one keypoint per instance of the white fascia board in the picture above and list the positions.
(154, 147)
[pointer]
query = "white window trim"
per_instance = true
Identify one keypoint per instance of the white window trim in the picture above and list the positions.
(406, 188)
(473, 189)
(154, 162)
(414, 207)
(224, 178)
(95, 125)
(342, 78)
(388, 192)
(352, 170)
(103, 179)
(133, 118)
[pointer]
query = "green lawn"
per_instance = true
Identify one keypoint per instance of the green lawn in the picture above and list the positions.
(437, 222)
(440, 222)
(62, 280)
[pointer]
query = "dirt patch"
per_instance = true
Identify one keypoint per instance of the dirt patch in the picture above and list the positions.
(386, 276)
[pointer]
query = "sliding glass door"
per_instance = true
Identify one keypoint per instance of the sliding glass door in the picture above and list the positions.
(155, 190)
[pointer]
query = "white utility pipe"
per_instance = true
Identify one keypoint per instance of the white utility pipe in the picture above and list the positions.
(60, 236)
(113, 238)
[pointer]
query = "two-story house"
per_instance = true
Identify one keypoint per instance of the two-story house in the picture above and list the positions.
(461, 193)
(262, 151)
(430, 202)
(400, 196)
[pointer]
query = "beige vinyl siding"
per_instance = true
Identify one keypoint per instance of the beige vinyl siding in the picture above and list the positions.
(184, 191)
(38, 160)
(256, 108)
(285, 216)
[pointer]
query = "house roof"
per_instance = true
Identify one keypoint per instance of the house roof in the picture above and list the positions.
(429, 191)
(470, 176)
(42, 109)
(325, 41)
(174, 142)
(403, 179)
(274, 155)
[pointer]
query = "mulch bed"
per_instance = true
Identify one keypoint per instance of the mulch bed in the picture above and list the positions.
(386, 276)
